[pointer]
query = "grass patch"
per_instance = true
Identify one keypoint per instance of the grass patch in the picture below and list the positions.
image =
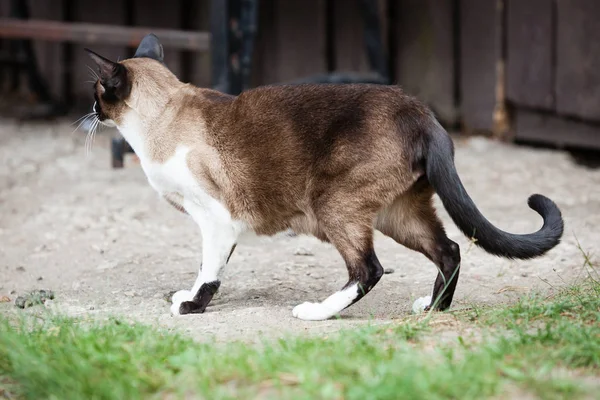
(540, 346)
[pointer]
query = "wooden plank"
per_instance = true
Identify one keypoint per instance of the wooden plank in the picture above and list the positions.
(425, 53)
(479, 52)
(103, 34)
(550, 129)
(301, 39)
(578, 58)
(291, 44)
(4, 74)
(530, 64)
(49, 55)
(4, 8)
(263, 68)
(200, 73)
(349, 35)
(349, 43)
(163, 17)
(112, 12)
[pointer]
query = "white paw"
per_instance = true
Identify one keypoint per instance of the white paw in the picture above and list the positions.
(420, 304)
(312, 312)
(178, 298)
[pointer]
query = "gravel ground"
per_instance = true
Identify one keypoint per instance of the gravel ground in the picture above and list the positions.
(104, 242)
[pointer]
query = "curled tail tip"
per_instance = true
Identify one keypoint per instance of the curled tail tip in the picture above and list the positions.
(553, 221)
(540, 201)
(544, 206)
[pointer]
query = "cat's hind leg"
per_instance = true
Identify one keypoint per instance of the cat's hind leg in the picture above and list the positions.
(353, 238)
(411, 221)
(219, 238)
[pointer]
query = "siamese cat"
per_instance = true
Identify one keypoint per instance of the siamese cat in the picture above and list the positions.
(336, 161)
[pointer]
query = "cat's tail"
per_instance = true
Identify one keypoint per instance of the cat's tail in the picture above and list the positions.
(442, 175)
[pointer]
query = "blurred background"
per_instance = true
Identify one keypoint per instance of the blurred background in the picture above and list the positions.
(515, 69)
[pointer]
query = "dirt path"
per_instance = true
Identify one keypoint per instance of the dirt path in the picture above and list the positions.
(107, 245)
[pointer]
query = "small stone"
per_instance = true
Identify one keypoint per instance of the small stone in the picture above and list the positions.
(34, 298)
(388, 271)
(92, 308)
(130, 293)
(4, 299)
(524, 274)
(21, 268)
(22, 302)
(41, 278)
(45, 294)
(301, 251)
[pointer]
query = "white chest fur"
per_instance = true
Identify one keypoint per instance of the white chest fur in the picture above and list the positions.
(172, 176)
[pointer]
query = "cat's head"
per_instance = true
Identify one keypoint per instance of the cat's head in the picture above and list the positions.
(135, 84)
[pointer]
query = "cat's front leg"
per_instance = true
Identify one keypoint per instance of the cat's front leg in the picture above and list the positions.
(219, 237)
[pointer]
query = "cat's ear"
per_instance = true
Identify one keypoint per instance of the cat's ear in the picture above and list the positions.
(113, 76)
(106, 67)
(150, 47)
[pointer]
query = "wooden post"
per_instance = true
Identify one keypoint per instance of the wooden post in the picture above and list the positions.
(501, 123)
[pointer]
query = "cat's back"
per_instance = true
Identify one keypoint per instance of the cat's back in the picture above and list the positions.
(330, 95)
(316, 107)
(317, 115)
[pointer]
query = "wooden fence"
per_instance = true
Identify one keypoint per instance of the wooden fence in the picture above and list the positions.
(526, 69)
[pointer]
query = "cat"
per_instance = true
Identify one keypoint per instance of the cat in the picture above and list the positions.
(336, 161)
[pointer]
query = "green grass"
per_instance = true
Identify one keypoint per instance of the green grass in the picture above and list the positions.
(540, 346)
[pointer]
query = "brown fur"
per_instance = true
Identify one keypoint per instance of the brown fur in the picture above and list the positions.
(334, 161)
(286, 156)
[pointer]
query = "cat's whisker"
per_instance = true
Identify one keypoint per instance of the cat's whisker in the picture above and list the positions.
(88, 140)
(85, 146)
(94, 73)
(90, 135)
(93, 131)
(101, 127)
(82, 117)
(94, 78)
(86, 118)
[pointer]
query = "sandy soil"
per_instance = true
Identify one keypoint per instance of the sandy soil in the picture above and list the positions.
(107, 245)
